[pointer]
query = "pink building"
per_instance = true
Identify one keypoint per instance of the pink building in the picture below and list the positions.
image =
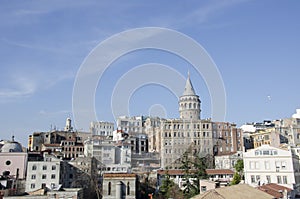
(13, 159)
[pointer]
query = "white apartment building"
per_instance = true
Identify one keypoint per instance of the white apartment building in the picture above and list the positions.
(131, 125)
(115, 156)
(267, 164)
(41, 174)
(102, 128)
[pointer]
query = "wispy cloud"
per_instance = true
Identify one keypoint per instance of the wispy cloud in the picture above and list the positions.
(198, 16)
(23, 85)
(54, 113)
(24, 12)
(39, 47)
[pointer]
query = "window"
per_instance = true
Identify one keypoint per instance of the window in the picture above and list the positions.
(53, 167)
(109, 188)
(257, 178)
(268, 179)
(283, 165)
(53, 176)
(33, 167)
(266, 152)
(33, 176)
(267, 165)
(252, 164)
(44, 167)
(266, 137)
(203, 188)
(284, 178)
(252, 179)
(8, 162)
(32, 186)
(128, 188)
(277, 164)
(279, 180)
(44, 176)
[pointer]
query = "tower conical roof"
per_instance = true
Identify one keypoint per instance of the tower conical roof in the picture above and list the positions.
(189, 89)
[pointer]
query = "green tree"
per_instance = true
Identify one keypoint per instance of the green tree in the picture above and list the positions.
(236, 179)
(192, 177)
(166, 186)
(239, 168)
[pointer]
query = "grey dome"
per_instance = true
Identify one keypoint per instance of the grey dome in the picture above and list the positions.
(11, 147)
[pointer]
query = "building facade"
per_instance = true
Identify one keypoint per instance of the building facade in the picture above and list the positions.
(267, 164)
(131, 125)
(228, 161)
(289, 129)
(13, 159)
(119, 186)
(102, 128)
(114, 156)
(227, 138)
(42, 174)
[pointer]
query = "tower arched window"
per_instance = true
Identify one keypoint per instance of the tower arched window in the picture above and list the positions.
(128, 188)
(190, 105)
(109, 188)
(194, 105)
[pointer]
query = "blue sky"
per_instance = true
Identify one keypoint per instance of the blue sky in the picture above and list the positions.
(255, 45)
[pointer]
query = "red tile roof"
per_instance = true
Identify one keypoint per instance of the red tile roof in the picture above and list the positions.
(208, 171)
(219, 171)
(173, 172)
(51, 145)
(116, 175)
(274, 189)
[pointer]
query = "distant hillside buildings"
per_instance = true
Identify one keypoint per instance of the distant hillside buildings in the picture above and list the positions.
(110, 162)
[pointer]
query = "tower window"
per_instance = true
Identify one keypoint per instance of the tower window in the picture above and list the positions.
(109, 188)
(128, 188)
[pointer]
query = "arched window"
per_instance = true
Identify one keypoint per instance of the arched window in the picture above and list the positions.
(128, 188)
(190, 105)
(109, 188)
